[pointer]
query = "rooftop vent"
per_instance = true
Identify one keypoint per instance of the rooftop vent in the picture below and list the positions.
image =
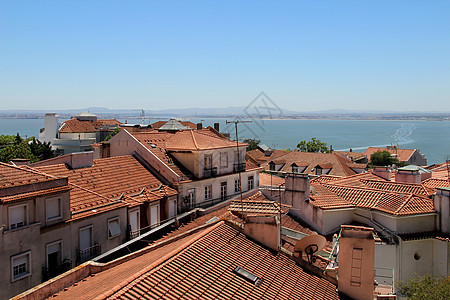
(248, 276)
(152, 145)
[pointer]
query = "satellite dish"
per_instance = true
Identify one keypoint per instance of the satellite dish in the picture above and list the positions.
(310, 245)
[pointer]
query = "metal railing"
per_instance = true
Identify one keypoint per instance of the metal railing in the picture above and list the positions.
(209, 172)
(240, 167)
(135, 233)
(86, 254)
(53, 271)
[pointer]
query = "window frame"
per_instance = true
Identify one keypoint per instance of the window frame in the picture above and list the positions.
(252, 180)
(236, 185)
(26, 217)
(208, 191)
(91, 227)
(49, 219)
(111, 220)
(223, 159)
(29, 269)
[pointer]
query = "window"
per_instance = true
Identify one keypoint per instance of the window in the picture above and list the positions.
(190, 196)
(17, 216)
(134, 220)
(113, 228)
(223, 159)
(172, 208)
(318, 170)
(154, 215)
(54, 254)
(236, 185)
(250, 183)
(20, 266)
(272, 166)
(223, 190)
(295, 169)
(208, 192)
(208, 161)
(86, 238)
(53, 208)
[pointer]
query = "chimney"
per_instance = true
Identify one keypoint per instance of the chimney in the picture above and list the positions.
(356, 262)
(331, 148)
(264, 229)
(441, 201)
(199, 126)
(216, 126)
(408, 176)
(383, 172)
(351, 150)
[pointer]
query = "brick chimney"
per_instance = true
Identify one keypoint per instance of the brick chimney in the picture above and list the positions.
(216, 127)
(199, 126)
(383, 172)
(356, 262)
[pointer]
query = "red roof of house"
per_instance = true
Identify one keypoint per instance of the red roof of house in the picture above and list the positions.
(193, 140)
(402, 154)
(338, 165)
(11, 176)
(108, 180)
(74, 125)
(436, 183)
(158, 124)
(268, 180)
(185, 273)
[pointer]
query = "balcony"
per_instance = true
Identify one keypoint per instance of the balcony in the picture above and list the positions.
(87, 254)
(209, 172)
(48, 273)
(239, 167)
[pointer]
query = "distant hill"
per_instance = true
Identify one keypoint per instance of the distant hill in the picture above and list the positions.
(239, 111)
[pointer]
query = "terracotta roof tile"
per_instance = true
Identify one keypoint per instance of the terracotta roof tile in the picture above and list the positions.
(270, 180)
(74, 125)
(436, 183)
(192, 140)
(257, 204)
(108, 180)
(11, 176)
(158, 124)
(205, 269)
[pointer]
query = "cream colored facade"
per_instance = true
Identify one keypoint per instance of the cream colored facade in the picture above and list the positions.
(220, 173)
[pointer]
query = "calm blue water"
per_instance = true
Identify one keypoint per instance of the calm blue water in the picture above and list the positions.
(431, 137)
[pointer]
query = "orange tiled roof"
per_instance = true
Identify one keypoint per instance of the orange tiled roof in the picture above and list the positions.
(260, 157)
(11, 176)
(75, 125)
(107, 180)
(192, 140)
(385, 201)
(410, 188)
(337, 164)
(402, 154)
(158, 124)
(436, 183)
(324, 178)
(267, 179)
(351, 155)
(155, 142)
(210, 275)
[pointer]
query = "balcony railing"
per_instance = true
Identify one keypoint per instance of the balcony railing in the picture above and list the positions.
(239, 167)
(209, 172)
(48, 273)
(91, 252)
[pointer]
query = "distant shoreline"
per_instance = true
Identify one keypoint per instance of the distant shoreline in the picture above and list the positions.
(381, 118)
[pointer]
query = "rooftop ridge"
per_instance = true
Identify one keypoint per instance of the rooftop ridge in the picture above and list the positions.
(404, 203)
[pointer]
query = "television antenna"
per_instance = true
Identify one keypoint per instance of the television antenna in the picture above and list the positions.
(237, 149)
(310, 245)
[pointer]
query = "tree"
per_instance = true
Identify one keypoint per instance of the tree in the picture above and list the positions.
(252, 144)
(41, 150)
(425, 287)
(314, 145)
(384, 158)
(109, 136)
(21, 150)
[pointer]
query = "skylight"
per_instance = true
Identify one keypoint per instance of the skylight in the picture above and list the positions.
(248, 276)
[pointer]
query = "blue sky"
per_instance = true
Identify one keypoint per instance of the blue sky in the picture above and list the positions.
(305, 55)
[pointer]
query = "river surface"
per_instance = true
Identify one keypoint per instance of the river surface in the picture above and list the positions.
(431, 137)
